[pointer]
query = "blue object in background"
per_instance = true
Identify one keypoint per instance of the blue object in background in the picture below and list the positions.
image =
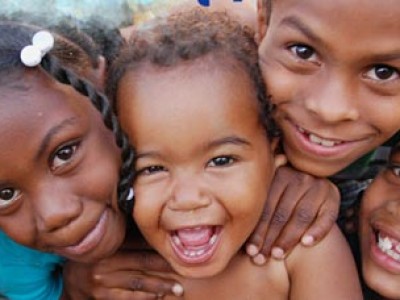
(204, 2)
(207, 2)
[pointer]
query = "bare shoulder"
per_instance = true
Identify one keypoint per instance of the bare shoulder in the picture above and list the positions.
(324, 271)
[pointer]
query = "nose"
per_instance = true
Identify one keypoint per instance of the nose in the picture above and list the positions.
(54, 207)
(187, 194)
(332, 99)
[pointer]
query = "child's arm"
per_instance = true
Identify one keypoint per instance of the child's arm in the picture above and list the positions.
(121, 276)
(299, 206)
(326, 271)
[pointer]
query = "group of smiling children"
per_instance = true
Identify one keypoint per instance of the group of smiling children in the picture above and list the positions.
(322, 93)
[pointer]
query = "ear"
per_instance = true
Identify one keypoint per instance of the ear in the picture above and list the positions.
(279, 158)
(261, 20)
(99, 74)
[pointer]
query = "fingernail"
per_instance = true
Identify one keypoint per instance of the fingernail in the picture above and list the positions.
(177, 289)
(307, 240)
(252, 250)
(277, 253)
(259, 259)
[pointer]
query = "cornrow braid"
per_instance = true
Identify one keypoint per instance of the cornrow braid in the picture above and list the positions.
(59, 65)
(100, 101)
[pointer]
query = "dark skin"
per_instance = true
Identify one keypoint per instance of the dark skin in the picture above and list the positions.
(283, 224)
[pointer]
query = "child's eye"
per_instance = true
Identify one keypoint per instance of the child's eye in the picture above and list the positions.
(63, 155)
(221, 161)
(395, 170)
(303, 52)
(382, 73)
(8, 195)
(151, 170)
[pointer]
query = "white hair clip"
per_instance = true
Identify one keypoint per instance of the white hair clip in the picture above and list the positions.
(42, 42)
(131, 194)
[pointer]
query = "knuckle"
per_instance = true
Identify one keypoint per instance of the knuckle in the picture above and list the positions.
(280, 218)
(265, 215)
(136, 284)
(304, 216)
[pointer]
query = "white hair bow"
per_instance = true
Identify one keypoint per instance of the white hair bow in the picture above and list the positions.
(42, 42)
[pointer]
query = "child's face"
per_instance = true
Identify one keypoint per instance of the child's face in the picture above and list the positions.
(332, 69)
(204, 163)
(59, 171)
(380, 231)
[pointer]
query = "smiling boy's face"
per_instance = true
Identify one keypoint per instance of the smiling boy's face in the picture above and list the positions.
(203, 159)
(332, 69)
(380, 231)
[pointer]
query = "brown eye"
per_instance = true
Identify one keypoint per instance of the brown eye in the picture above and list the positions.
(221, 161)
(8, 196)
(383, 73)
(302, 51)
(63, 155)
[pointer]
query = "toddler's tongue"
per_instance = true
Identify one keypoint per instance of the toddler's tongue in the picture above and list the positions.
(197, 236)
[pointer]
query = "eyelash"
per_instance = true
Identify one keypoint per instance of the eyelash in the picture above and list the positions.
(150, 170)
(6, 203)
(294, 48)
(394, 170)
(215, 160)
(394, 73)
(74, 146)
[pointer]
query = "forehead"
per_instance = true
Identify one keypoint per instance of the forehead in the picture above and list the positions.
(355, 19)
(184, 93)
(34, 103)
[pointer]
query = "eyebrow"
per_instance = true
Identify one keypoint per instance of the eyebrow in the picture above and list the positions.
(235, 140)
(52, 133)
(297, 24)
(213, 144)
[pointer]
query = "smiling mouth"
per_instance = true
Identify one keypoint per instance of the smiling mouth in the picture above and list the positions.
(317, 140)
(196, 244)
(388, 245)
(89, 241)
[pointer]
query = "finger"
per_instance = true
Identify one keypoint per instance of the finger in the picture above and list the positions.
(134, 260)
(295, 193)
(324, 222)
(280, 218)
(303, 215)
(257, 238)
(134, 281)
(121, 294)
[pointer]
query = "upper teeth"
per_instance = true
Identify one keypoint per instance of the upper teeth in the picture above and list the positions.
(320, 141)
(386, 245)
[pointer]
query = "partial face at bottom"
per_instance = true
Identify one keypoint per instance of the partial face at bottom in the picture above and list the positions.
(380, 231)
(204, 163)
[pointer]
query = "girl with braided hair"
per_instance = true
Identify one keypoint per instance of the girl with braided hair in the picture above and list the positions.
(66, 166)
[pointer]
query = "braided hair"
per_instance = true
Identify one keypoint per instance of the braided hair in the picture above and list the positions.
(59, 63)
(190, 35)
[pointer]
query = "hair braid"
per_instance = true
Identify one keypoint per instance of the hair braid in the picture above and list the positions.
(100, 101)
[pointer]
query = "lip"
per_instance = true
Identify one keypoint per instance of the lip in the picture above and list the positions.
(380, 258)
(89, 241)
(208, 251)
(304, 144)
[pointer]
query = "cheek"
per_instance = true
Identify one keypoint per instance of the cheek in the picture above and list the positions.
(102, 177)
(147, 208)
(11, 226)
(385, 119)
